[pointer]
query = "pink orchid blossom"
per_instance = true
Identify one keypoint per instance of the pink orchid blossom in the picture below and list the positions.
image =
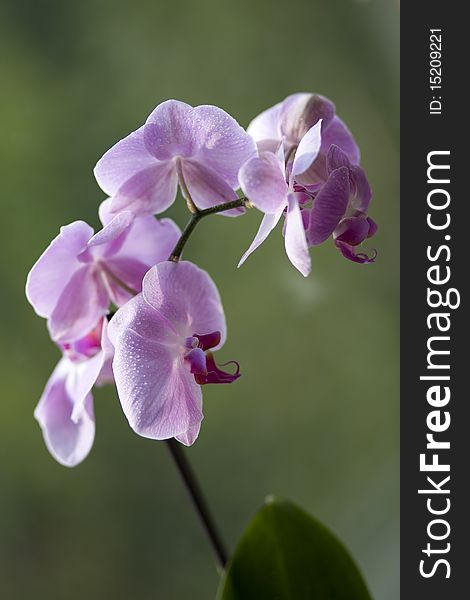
(200, 148)
(65, 410)
(270, 188)
(79, 274)
(288, 122)
(325, 191)
(162, 339)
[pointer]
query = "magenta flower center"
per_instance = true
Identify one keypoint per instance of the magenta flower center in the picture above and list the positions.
(85, 348)
(201, 363)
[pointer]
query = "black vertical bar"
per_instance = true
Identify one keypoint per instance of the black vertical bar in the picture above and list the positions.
(434, 120)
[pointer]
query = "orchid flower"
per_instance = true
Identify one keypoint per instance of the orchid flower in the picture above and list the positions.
(200, 148)
(270, 188)
(340, 208)
(162, 340)
(79, 274)
(315, 198)
(65, 410)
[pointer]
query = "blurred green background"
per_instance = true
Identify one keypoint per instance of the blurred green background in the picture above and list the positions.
(315, 415)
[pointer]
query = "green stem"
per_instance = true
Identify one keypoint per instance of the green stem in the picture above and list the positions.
(198, 216)
(199, 502)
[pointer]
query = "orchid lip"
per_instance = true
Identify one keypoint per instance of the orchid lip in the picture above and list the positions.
(84, 348)
(205, 342)
(216, 375)
(349, 252)
(208, 341)
(191, 342)
(201, 361)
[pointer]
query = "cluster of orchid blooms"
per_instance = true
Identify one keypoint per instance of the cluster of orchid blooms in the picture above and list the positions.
(121, 305)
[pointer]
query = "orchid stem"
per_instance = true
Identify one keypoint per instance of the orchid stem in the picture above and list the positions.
(197, 216)
(199, 501)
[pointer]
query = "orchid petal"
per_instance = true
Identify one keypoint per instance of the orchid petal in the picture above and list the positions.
(121, 162)
(196, 360)
(149, 240)
(55, 267)
(281, 157)
(83, 302)
(267, 125)
(185, 296)
(215, 375)
(363, 191)
(307, 150)
(112, 232)
(300, 112)
(352, 231)
(127, 271)
(268, 223)
(338, 133)
(372, 227)
(149, 191)
(223, 145)
(158, 394)
(295, 240)
(105, 213)
(189, 437)
(315, 176)
(360, 187)
(209, 340)
(336, 158)
(207, 134)
(263, 182)
(106, 374)
(207, 188)
(80, 381)
(169, 130)
(349, 252)
(329, 207)
(68, 441)
(144, 319)
(268, 146)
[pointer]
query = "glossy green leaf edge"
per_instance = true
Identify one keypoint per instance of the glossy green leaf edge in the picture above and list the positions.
(286, 554)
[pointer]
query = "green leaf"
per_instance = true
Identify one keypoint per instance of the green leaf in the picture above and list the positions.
(285, 554)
